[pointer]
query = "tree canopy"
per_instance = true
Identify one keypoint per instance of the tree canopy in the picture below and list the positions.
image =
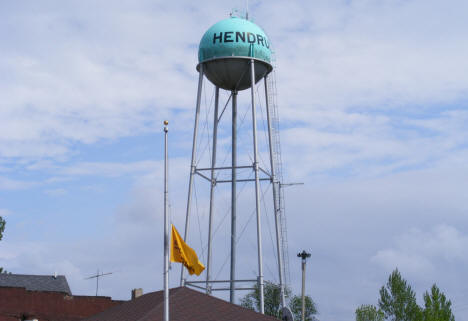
(272, 297)
(271, 293)
(369, 313)
(436, 306)
(296, 308)
(2, 229)
(397, 302)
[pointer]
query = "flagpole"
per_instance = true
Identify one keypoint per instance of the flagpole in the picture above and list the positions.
(166, 230)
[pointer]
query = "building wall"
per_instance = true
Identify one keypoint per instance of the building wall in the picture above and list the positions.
(17, 303)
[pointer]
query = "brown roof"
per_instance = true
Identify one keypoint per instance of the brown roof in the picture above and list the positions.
(184, 305)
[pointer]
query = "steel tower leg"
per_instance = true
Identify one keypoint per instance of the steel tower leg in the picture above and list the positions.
(276, 207)
(257, 189)
(213, 184)
(193, 165)
(232, 290)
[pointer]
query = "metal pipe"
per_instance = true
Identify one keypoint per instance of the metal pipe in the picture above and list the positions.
(201, 175)
(257, 189)
(220, 281)
(193, 165)
(276, 208)
(213, 184)
(243, 180)
(303, 255)
(303, 289)
(224, 289)
(219, 289)
(225, 106)
(265, 172)
(232, 291)
(195, 286)
(224, 167)
(97, 281)
(166, 230)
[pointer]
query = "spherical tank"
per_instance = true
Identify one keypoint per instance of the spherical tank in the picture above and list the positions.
(226, 50)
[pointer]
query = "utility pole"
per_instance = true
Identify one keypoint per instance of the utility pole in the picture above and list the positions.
(304, 255)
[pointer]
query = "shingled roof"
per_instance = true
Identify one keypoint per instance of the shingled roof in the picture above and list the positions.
(48, 283)
(184, 305)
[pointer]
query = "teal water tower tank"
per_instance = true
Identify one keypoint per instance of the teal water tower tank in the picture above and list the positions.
(226, 50)
(235, 54)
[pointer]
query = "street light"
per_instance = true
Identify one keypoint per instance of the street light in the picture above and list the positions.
(304, 255)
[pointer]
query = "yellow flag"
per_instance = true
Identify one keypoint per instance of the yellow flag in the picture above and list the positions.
(181, 252)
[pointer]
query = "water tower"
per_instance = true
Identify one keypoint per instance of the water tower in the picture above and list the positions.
(234, 55)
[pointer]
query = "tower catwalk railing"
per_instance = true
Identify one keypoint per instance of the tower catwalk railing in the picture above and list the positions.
(272, 98)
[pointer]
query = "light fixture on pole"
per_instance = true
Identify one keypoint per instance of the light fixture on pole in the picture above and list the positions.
(303, 255)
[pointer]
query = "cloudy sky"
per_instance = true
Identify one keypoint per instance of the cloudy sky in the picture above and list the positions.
(372, 98)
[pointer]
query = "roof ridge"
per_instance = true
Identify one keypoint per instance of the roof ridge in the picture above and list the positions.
(174, 290)
(13, 274)
(211, 296)
(224, 301)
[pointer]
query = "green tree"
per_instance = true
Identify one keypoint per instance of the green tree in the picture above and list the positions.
(296, 308)
(2, 229)
(436, 306)
(272, 298)
(398, 301)
(369, 313)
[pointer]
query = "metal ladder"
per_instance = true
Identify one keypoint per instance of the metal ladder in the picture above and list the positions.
(272, 98)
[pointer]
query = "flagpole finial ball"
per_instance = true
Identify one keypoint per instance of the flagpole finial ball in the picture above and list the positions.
(166, 123)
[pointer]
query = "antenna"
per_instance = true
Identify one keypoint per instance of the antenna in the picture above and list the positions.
(97, 276)
(247, 10)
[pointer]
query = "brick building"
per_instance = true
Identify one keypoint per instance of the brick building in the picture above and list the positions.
(45, 298)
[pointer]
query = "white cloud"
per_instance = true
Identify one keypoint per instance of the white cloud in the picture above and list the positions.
(12, 184)
(5, 212)
(108, 169)
(369, 54)
(56, 192)
(98, 78)
(421, 253)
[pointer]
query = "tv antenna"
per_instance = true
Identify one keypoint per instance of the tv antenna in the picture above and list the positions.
(97, 276)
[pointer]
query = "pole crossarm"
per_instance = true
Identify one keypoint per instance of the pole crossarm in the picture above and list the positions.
(224, 167)
(242, 180)
(199, 171)
(195, 284)
(209, 289)
(219, 281)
